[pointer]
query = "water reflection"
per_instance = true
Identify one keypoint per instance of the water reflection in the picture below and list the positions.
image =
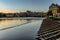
(24, 32)
(10, 23)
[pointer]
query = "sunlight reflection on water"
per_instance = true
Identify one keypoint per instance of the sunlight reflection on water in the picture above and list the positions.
(24, 32)
(10, 23)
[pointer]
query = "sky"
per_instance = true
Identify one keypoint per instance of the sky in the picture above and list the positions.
(24, 5)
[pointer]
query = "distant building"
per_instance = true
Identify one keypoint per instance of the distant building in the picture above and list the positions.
(54, 9)
(9, 15)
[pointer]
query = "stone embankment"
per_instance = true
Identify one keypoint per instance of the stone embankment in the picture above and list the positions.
(49, 29)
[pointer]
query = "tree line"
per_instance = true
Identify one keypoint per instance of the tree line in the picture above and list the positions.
(23, 14)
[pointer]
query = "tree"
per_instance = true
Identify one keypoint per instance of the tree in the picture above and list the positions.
(49, 13)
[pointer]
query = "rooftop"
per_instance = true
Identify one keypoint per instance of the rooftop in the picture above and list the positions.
(54, 5)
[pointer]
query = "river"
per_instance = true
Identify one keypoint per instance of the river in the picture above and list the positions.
(19, 29)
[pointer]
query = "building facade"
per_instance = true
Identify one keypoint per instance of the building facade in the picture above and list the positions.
(55, 9)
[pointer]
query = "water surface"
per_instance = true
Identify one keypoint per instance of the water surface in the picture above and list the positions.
(27, 31)
(10, 23)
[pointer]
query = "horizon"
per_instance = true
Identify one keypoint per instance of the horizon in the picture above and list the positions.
(7, 6)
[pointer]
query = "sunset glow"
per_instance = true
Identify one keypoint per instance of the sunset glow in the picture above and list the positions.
(9, 11)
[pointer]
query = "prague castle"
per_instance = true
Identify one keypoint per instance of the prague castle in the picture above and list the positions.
(54, 9)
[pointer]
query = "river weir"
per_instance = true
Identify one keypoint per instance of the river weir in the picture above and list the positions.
(49, 30)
